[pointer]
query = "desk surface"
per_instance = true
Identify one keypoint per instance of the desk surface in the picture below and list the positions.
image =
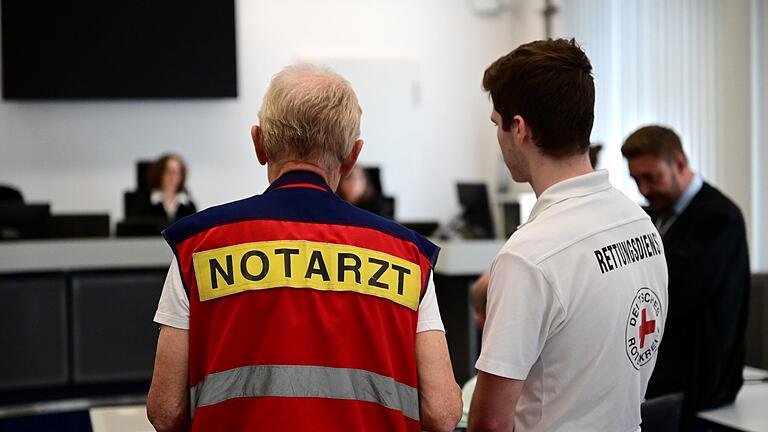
(750, 411)
(458, 257)
(467, 257)
(120, 419)
(85, 254)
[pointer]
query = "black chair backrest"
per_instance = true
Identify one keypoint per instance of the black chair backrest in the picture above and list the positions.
(10, 195)
(136, 204)
(662, 414)
(142, 175)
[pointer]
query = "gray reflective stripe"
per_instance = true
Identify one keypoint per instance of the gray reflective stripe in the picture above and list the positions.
(305, 381)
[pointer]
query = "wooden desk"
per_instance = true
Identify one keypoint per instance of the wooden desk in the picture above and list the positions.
(749, 412)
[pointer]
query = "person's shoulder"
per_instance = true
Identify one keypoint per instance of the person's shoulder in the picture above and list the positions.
(208, 218)
(713, 206)
(567, 224)
(716, 198)
(325, 208)
(528, 241)
(366, 219)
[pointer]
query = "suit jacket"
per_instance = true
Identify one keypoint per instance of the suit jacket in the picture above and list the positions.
(703, 348)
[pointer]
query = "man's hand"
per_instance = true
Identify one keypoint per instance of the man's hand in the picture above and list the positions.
(168, 399)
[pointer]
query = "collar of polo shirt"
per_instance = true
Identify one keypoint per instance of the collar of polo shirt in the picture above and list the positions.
(583, 185)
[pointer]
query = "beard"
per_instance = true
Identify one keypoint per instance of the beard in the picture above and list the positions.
(516, 164)
(663, 201)
(660, 202)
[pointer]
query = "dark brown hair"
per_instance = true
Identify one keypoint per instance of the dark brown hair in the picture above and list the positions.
(594, 154)
(655, 140)
(548, 83)
(155, 173)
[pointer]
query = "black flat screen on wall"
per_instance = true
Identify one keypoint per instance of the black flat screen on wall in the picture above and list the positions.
(130, 49)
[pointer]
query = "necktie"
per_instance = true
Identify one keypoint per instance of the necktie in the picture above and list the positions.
(664, 221)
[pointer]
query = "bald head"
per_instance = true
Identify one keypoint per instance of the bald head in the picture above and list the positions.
(309, 114)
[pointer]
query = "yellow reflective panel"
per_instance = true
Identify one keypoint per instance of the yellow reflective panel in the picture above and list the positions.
(305, 264)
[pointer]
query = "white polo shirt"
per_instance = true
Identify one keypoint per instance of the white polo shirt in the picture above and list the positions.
(576, 307)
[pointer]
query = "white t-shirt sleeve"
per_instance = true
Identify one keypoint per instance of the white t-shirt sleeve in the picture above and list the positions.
(522, 310)
(429, 312)
(173, 308)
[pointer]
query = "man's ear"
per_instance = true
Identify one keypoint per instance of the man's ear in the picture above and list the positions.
(258, 144)
(349, 162)
(681, 162)
(520, 129)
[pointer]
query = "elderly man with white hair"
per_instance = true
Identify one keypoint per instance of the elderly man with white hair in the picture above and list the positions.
(293, 310)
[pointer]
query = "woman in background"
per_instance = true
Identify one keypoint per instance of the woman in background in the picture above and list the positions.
(169, 197)
(358, 191)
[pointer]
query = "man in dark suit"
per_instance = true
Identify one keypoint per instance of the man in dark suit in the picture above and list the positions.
(705, 242)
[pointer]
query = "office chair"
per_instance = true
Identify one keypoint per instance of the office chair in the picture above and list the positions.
(662, 414)
(10, 195)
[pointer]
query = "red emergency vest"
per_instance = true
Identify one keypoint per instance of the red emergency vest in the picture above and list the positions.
(303, 312)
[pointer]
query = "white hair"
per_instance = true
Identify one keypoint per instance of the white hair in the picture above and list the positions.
(309, 114)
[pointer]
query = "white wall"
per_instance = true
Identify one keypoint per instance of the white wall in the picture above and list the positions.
(80, 155)
(759, 14)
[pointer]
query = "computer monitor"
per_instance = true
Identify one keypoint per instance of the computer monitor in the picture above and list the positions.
(141, 227)
(476, 212)
(24, 221)
(78, 225)
(425, 228)
(511, 218)
(373, 175)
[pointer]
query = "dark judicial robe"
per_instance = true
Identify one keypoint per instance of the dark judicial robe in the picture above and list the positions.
(158, 211)
(703, 348)
(155, 209)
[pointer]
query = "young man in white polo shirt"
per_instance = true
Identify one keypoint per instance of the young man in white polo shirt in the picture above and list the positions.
(578, 295)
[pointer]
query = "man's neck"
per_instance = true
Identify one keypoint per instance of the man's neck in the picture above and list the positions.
(547, 172)
(275, 171)
(682, 201)
(686, 177)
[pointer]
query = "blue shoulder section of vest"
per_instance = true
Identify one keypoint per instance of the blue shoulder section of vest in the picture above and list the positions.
(295, 204)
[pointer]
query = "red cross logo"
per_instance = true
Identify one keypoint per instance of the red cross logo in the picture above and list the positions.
(646, 328)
